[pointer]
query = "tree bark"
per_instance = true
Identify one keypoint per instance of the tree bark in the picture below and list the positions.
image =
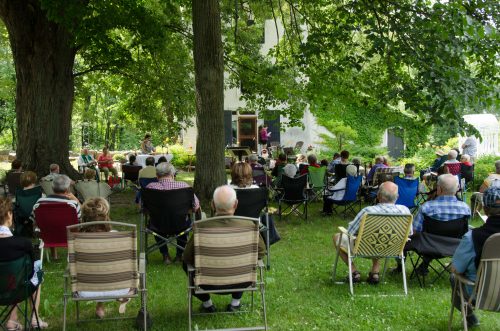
(43, 57)
(209, 80)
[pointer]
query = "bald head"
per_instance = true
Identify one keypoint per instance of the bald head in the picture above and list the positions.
(447, 184)
(224, 200)
(387, 192)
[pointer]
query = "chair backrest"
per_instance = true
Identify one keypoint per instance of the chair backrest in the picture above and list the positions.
(454, 168)
(168, 209)
(14, 280)
(352, 188)
(340, 171)
(467, 172)
(407, 191)
(260, 177)
(488, 277)
(453, 228)
(226, 250)
(384, 174)
(93, 189)
(382, 235)
(13, 180)
(52, 219)
(131, 172)
(293, 188)
(251, 202)
(317, 176)
(46, 186)
(25, 200)
(102, 261)
(143, 182)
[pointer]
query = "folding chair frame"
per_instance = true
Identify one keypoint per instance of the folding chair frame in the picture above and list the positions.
(141, 289)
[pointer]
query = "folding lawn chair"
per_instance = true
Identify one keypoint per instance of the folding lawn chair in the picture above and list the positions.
(260, 177)
(350, 198)
(46, 186)
(317, 183)
(16, 289)
(253, 203)
(52, 219)
(13, 181)
(293, 192)
(87, 189)
(223, 264)
(379, 236)
(407, 192)
(486, 288)
(454, 168)
(23, 207)
(340, 172)
(130, 173)
(101, 262)
(167, 216)
(437, 240)
(478, 206)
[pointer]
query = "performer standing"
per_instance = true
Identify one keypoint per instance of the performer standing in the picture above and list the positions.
(263, 136)
(146, 145)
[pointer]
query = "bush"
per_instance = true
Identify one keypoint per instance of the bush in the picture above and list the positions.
(119, 157)
(484, 166)
(181, 156)
(422, 159)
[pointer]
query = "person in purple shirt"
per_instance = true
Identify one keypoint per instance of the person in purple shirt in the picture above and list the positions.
(379, 163)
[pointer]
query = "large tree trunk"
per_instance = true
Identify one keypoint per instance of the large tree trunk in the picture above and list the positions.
(43, 57)
(209, 79)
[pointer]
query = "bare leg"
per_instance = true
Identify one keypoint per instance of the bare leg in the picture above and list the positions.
(99, 309)
(53, 253)
(343, 255)
(11, 323)
(375, 265)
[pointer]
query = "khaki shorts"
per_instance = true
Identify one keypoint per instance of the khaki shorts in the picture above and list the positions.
(345, 241)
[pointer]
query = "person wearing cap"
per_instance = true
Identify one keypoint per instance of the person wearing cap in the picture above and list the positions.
(468, 254)
(441, 158)
(445, 207)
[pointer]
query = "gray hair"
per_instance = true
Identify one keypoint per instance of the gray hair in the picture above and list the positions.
(165, 169)
(452, 154)
(448, 184)
(224, 198)
(253, 158)
(466, 157)
(351, 170)
(290, 170)
(497, 166)
(61, 184)
(53, 167)
(356, 161)
(388, 192)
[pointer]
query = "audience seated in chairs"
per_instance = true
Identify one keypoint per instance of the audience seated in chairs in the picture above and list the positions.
(335, 160)
(85, 161)
(53, 172)
(106, 162)
(278, 166)
(90, 188)
(338, 190)
(97, 210)
(387, 196)
(491, 180)
(166, 181)
(14, 248)
(13, 177)
(259, 174)
(61, 187)
(408, 187)
(312, 161)
(161, 159)
(149, 171)
(301, 161)
(225, 203)
(379, 163)
(445, 207)
(132, 160)
(24, 202)
(241, 176)
(468, 253)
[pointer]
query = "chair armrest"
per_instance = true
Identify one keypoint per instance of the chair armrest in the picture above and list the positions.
(343, 230)
(462, 279)
(260, 263)
(190, 268)
(142, 263)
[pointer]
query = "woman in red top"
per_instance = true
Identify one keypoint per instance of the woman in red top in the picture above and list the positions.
(105, 161)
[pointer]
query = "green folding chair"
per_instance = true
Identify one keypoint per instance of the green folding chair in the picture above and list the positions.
(317, 183)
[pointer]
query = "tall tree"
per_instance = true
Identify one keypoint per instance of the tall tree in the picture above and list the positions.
(209, 81)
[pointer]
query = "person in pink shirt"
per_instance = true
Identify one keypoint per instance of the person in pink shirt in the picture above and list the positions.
(105, 162)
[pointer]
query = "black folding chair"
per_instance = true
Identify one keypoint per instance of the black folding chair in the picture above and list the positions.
(13, 181)
(167, 216)
(260, 177)
(340, 172)
(253, 203)
(23, 207)
(293, 192)
(130, 173)
(438, 240)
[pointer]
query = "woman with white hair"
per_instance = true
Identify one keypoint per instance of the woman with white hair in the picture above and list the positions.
(338, 190)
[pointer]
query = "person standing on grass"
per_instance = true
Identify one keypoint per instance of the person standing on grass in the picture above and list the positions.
(387, 196)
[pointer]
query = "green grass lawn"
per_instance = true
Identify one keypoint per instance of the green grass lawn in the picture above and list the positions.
(300, 293)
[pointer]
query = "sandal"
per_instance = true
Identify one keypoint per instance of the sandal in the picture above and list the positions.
(16, 326)
(39, 325)
(123, 305)
(373, 278)
(356, 277)
(99, 312)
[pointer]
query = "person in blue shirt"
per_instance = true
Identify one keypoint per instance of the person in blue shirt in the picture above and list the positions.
(468, 253)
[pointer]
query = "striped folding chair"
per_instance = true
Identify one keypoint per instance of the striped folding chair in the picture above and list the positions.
(226, 261)
(102, 264)
(379, 236)
(486, 291)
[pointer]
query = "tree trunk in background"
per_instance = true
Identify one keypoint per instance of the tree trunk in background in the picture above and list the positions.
(209, 79)
(43, 57)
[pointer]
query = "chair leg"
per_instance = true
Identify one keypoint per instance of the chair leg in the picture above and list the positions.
(453, 294)
(263, 298)
(385, 269)
(336, 258)
(463, 306)
(351, 288)
(65, 306)
(403, 272)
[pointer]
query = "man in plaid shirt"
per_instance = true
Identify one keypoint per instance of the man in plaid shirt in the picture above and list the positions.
(445, 207)
(166, 181)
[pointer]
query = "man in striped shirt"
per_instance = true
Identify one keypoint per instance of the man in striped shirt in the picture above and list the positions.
(62, 194)
(165, 172)
(445, 207)
(387, 196)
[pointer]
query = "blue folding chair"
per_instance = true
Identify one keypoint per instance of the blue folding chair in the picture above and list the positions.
(407, 190)
(350, 198)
